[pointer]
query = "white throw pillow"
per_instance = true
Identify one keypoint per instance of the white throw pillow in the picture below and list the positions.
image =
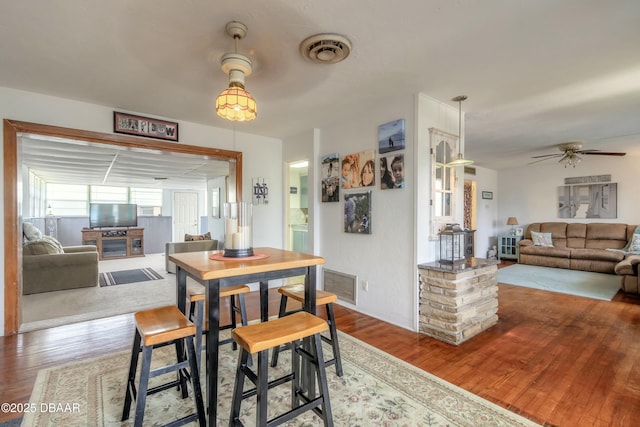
(31, 232)
(541, 239)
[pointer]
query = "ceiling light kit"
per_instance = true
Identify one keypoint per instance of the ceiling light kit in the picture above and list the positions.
(460, 160)
(235, 103)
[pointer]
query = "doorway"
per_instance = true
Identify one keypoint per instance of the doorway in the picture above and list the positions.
(297, 209)
(12, 176)
(185, 214)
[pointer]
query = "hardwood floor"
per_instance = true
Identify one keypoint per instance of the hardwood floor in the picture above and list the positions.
(555, 359)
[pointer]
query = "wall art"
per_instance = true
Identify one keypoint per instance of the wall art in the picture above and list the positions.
(330, 182)
(260, 188)
(144, 126)
(392, 171)
(391, 136)
(358, 170)
(357, 213)
(588, 201)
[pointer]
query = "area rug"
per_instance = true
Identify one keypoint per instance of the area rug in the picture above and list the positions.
(573, 282)
(128, 276)
(376, 389)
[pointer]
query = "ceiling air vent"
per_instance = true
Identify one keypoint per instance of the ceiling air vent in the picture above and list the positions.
(325, 48)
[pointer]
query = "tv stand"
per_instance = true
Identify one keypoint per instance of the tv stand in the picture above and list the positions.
(115, 243)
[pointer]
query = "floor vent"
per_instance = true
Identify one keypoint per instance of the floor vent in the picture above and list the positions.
(341, 284)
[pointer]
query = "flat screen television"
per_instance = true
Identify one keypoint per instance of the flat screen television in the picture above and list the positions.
(113, 215)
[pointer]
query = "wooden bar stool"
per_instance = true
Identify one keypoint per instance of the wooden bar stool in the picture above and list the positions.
(155, 328)
(261, 337)
(296, 292)
(197, 313)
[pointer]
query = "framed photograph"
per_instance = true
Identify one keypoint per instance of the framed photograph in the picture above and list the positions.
(392, 171)
(330, 182)
(519, 231)
(391, 136)
(357, 213)
(487, 195)
(588, 201)
(144, 126)
(358, 170)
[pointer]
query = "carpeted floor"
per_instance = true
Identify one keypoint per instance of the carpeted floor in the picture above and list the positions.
(49, 309)
(376, 389)
(573, 282)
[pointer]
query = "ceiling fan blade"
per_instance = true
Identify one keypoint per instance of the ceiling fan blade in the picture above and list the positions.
(547, 156)
(542, 160)
(601, 153)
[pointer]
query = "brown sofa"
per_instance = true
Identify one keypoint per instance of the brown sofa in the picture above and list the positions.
(579, 246)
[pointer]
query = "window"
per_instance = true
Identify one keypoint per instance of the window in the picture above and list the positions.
(149, 200)
(106, 194)
(443, 179)
(37, 195)
(73, 200)
(67, 199)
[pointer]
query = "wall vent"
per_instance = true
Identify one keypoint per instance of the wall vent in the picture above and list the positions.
(342, 284)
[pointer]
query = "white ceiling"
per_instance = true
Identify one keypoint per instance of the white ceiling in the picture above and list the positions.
(67, 161)
(537, 72)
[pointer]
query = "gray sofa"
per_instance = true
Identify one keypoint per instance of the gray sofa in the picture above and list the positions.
(48, 266)
(181, 247)
(76, 267)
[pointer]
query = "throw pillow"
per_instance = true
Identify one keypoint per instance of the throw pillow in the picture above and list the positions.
(634, 246)
(40, 247)
(54, 243)
(541, 239)
(193, 237)
(31, 232)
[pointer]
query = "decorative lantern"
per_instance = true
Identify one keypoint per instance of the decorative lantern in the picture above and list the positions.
(452, 244)
(238, 230)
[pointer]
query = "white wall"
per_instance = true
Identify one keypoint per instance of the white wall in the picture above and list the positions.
(531, 194)
(259, 153)
(385, 258)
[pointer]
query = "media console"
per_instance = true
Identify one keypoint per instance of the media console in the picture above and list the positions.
(115, 242)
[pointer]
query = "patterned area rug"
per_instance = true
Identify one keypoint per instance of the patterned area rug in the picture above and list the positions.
(376, 389)
(128, 276)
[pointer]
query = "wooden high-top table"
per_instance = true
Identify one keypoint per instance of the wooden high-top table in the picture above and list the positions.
(214, 274)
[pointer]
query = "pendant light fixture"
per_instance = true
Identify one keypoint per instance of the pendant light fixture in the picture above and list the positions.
(460, 160)
(235, 103)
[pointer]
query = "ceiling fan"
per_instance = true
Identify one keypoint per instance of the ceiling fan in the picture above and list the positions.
(569, 155)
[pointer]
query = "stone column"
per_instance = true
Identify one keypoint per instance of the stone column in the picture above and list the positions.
(458, 302)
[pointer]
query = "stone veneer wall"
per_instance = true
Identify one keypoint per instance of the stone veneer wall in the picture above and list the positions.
(457, 306)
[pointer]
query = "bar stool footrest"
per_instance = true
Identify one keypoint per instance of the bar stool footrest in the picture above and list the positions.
(309, 405)
(271, 384)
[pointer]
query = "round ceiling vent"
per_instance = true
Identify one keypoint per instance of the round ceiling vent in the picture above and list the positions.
(325, 48)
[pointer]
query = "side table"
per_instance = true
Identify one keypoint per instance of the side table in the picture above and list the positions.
(508, 246)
